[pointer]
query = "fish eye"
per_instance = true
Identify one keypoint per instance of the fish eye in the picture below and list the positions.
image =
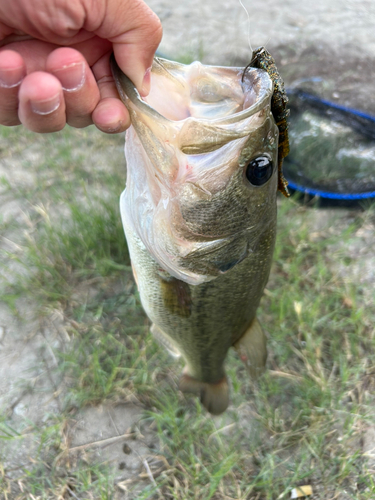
(259, 170)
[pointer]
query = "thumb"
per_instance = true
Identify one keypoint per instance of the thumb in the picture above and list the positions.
(135, 32)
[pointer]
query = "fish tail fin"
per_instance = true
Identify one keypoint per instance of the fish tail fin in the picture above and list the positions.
(252, 349)
(214, 397)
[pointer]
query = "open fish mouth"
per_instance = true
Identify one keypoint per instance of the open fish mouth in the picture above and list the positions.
(188, 198)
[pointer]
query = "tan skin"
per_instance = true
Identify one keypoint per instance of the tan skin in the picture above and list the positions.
(54, 61)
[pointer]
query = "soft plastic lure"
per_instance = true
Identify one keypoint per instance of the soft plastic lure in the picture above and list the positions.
(262, 59)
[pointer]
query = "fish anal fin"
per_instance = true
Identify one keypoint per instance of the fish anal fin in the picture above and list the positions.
(214, 397)
(252, 349)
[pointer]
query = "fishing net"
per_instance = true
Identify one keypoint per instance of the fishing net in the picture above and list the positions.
(332, 149)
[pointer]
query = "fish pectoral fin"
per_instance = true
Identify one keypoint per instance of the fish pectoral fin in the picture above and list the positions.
(252, 349)
(214, 397)
(176, 296)
(165, 341)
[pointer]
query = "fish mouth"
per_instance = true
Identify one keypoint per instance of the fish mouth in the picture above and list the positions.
(201, 124)
(193, 110)
(185, 197)
(181, 77)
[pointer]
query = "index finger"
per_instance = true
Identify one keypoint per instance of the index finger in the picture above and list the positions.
(110, 115)
(135, 32)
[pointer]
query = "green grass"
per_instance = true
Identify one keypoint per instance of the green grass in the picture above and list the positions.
(303, 423)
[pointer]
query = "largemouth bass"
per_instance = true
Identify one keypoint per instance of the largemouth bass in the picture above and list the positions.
(199, 213)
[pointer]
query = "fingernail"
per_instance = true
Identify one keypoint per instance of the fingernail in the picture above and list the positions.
(145, 90)
(46, 106)
(114, 129)
(10, 78)
(72, 77)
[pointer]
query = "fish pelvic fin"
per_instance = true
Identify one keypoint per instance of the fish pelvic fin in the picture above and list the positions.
(252, 349)
(214, 397)
(165, 341)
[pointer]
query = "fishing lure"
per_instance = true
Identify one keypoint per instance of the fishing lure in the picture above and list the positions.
(262, 59)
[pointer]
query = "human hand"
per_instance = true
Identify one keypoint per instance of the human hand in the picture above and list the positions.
(54, 61)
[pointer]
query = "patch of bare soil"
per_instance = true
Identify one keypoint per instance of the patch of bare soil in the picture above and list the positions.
(111, 435)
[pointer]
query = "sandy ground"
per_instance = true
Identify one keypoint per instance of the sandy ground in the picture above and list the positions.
(334, 39)
(331, 39)
(220, 28)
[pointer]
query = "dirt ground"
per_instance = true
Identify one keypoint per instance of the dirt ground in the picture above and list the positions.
(333, 40)
(330, 39)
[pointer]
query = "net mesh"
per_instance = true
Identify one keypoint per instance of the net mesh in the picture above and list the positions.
(332, 148)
